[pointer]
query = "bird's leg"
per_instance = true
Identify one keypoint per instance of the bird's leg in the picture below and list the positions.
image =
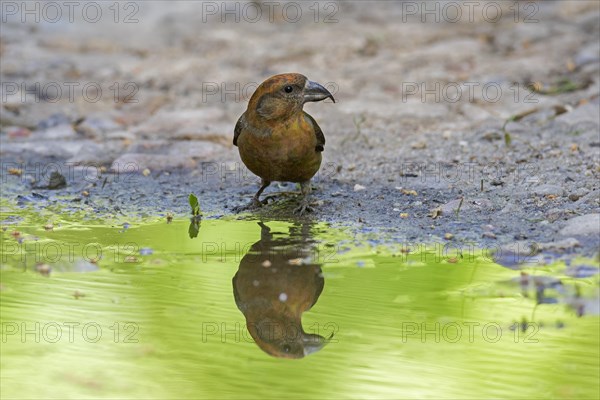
(255, 203)
(305, 202)
(255, 200)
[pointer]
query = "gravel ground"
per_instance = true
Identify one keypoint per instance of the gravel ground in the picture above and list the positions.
(476, 128)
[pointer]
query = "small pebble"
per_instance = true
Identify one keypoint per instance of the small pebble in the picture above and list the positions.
(77, 294)
(489, 235)
(43, 269)
(358, 188)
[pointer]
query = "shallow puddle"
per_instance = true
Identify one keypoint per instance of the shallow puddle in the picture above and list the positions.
(139, 309)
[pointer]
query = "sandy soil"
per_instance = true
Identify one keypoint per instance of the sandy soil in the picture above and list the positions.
(481, 123)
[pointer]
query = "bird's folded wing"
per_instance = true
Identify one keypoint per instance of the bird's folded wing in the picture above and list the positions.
(238, 129)
(318, 133)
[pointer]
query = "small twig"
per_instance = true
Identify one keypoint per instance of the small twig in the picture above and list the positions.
(459, 206)
(358, 120)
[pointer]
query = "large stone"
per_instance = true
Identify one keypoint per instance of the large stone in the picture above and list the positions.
(560, 245)
(467, 205)
(98, 127)
(98, 153)
(203, 123)
(182, 154)
(138, 162)
(60, 149)
(547, 190)
(63, 131)
(583, 225)
(587, 113)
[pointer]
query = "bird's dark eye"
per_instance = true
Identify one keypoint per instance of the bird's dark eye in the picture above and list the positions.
(286, 347)
(288, 89)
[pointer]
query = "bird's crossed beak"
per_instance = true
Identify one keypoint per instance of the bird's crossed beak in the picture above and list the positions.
(315, 92)
(314, 343)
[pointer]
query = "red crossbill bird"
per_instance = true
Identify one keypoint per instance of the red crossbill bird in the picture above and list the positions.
(273, 292)
(277, 140)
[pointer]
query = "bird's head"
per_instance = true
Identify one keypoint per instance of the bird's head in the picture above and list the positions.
(285, 338)
(284, 95)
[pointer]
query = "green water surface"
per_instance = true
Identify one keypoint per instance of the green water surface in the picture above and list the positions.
(118, 309)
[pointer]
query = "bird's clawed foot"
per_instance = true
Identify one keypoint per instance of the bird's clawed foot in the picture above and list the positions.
(256, 203)
(253, 205)
(304, 203)
(304, 207)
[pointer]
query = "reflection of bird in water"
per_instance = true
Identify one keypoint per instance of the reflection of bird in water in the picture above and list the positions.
(272, 288)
